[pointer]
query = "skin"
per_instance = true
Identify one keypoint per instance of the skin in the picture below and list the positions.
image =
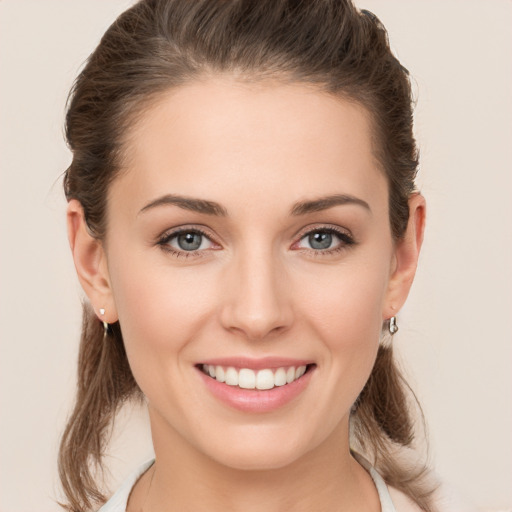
(255, 288)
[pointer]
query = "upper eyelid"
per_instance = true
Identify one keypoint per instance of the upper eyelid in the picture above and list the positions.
(344, 236)
(322, 227)
(163, 241)
(169, 233)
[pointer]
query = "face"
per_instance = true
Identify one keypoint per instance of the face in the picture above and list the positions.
(248, 239)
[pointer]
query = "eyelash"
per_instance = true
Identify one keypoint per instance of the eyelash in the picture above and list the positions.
(345, 239)
(164, 240)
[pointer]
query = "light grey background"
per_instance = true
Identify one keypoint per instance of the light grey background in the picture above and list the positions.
(455, 334)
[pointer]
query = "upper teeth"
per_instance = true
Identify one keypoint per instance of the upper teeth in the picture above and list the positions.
(249, 379)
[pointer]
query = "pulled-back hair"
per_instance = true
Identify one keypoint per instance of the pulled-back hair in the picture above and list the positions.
(160, 44)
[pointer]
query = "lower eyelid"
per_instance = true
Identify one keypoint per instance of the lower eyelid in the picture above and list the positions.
(181, 254)
(164, 243)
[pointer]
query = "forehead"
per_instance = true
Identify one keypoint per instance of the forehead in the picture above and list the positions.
(221, 136)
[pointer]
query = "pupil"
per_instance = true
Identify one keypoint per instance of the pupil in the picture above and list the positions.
(189, 241)
(321, 240)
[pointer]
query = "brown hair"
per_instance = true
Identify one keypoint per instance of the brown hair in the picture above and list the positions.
(160, 44)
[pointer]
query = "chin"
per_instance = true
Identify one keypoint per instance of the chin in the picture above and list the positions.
(263, 460)
(260, 451)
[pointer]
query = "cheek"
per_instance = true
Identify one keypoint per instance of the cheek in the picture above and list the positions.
(345, 313)
(349, 301)
(159, 309)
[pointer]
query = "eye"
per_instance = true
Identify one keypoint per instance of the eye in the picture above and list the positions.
(325, 240)
(320, 240)
(185, 241)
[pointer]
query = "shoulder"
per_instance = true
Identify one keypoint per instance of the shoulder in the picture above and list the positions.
(119, 501)
(446, 499)
(402, 502)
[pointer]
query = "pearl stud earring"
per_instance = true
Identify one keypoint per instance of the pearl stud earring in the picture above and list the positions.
(105, 324)
(393, 326)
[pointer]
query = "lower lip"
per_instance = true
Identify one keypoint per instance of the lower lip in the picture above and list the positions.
(255, 400)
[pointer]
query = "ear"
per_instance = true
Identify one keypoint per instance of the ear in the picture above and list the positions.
(406, 254)
(90, 263)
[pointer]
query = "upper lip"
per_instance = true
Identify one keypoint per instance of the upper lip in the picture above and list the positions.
(270, 362)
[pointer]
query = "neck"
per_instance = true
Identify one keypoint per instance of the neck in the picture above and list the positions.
(184, 479)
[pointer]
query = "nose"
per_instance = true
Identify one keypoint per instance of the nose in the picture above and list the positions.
(255, 301)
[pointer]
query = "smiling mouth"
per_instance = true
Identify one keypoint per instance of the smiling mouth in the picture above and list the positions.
(246, 378)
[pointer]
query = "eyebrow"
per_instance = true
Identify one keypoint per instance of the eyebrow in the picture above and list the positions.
(323, 203)
(213, 208)
(187, 203)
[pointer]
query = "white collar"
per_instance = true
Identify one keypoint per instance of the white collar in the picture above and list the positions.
(119, 501)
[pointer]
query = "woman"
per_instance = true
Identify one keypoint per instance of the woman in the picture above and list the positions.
(244, 221)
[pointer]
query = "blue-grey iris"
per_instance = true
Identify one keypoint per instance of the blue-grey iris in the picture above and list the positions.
(189, 241)
(320, 240)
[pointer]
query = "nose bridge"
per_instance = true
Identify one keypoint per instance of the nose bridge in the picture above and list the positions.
(256, 302)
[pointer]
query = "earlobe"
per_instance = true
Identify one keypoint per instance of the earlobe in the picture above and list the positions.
(90, 263)
(406, 256)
